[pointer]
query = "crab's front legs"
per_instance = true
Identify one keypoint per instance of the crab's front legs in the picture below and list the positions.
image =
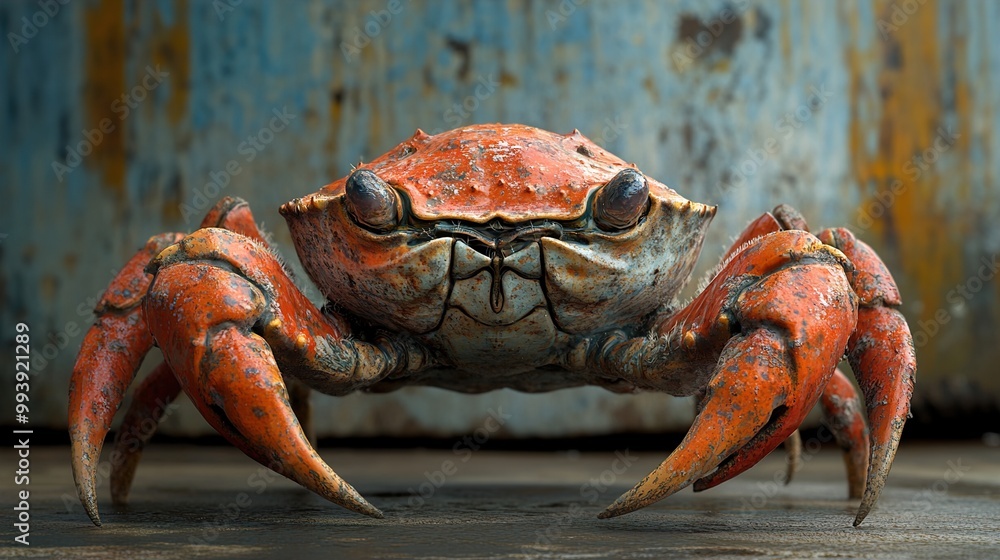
(763, 339)
(225, 314)
(781, 311)
(110, 355)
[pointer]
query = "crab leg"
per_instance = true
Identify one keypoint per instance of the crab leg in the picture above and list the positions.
(149, 403)
(111, 353)
(882, 356)
(225, 314)
(841, 407)
(769, 374)
(151, 398)
(793, 450)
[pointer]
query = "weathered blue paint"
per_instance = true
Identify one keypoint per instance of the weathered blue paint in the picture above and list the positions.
(614, 70)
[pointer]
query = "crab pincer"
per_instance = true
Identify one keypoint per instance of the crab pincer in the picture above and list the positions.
(771, 372)
(791, 303)
(238, 312)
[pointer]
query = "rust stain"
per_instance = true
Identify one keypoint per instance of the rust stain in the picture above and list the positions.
(170, 48)
(104, 67)
(786, 32)
(905, 175)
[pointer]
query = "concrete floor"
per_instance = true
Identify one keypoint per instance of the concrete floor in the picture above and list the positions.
(207, 502)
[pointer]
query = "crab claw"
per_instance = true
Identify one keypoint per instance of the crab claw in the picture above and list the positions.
(111, 353)
(768, 376)
(713, 436)
(220, 328)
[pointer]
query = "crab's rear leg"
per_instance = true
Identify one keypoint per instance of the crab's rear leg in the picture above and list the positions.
(150, 402)
(842, 413)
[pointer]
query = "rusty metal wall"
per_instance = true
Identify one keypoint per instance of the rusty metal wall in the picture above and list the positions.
(119, 120)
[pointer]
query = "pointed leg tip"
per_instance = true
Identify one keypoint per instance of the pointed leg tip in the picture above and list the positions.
(365, 508)
(621, 506)
(867, 504)
(86, 489)
(92, 513)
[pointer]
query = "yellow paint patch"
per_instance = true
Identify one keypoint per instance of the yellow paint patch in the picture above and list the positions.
(906, 116)
(170, 48)
(104, 68)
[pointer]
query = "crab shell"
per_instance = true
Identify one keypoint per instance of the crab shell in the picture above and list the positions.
(417, 278)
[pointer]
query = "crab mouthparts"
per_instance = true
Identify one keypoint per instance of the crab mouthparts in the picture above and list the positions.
(497, 240)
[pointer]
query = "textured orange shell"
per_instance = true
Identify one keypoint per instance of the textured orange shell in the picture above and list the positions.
(483, 172)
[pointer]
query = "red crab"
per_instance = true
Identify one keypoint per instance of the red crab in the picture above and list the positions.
(501, 256)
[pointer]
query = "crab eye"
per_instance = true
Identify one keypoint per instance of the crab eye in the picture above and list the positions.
(371, 201)
(620, 202)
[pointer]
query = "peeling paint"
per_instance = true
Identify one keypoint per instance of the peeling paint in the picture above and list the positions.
(702, 130)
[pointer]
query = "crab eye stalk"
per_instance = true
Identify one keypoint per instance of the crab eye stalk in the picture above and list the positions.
(621, 201)
(371, 201)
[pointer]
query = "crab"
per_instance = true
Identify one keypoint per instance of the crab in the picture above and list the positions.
(497, 256)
